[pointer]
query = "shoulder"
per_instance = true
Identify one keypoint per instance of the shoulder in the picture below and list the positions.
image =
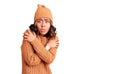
(27, 31)
(56, 37)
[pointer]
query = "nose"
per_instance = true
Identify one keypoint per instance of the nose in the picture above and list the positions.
(43, 23)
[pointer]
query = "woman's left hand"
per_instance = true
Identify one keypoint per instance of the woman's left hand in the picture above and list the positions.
(29, 35)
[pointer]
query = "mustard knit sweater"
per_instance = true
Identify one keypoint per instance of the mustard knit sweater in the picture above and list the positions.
(35, 58)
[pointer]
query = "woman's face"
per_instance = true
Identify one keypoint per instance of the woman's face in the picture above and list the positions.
(43, 25)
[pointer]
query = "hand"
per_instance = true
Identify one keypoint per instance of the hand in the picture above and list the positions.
(29, 35)
(53, 43)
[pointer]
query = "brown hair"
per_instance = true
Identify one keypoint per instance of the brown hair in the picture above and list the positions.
(51, 33)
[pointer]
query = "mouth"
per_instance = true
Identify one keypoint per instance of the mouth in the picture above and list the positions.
(42, 30)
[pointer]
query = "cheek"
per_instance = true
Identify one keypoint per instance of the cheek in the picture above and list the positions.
(48, 26)
(38, 26)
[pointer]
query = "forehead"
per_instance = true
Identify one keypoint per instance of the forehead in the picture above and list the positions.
(43, 18)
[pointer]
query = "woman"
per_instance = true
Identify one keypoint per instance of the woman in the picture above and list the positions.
(40, 43)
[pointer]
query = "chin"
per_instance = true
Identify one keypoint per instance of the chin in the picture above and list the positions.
(43, 33)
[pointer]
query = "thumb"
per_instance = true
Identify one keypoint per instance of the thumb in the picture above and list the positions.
(34, 34)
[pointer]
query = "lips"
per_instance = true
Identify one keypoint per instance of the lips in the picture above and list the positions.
(42, 30)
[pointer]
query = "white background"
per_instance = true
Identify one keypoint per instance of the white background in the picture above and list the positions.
(88, 30)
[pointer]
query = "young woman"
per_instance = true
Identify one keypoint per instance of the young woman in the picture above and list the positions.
(39, 44)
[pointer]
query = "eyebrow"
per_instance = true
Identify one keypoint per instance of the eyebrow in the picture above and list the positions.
(44, 18)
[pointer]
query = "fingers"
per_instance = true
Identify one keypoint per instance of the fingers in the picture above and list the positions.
(29, 32)
(34, 33)
(25, 37)
(29, 35)
(26, 34)
(53, 43)
(57, 43)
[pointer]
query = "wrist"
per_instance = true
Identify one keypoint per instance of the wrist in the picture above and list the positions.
(47, 47)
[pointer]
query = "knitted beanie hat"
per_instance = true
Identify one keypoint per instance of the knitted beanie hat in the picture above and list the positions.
(42, 11)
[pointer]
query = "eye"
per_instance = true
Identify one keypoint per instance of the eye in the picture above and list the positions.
(47, 20)
(39, 21)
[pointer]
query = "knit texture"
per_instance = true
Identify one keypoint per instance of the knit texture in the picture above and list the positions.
(35, 58)
(42, 11)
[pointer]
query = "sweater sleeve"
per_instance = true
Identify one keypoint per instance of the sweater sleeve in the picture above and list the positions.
(46, 55)
(28, 54)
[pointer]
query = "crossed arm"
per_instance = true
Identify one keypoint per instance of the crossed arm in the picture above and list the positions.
(33, 52)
